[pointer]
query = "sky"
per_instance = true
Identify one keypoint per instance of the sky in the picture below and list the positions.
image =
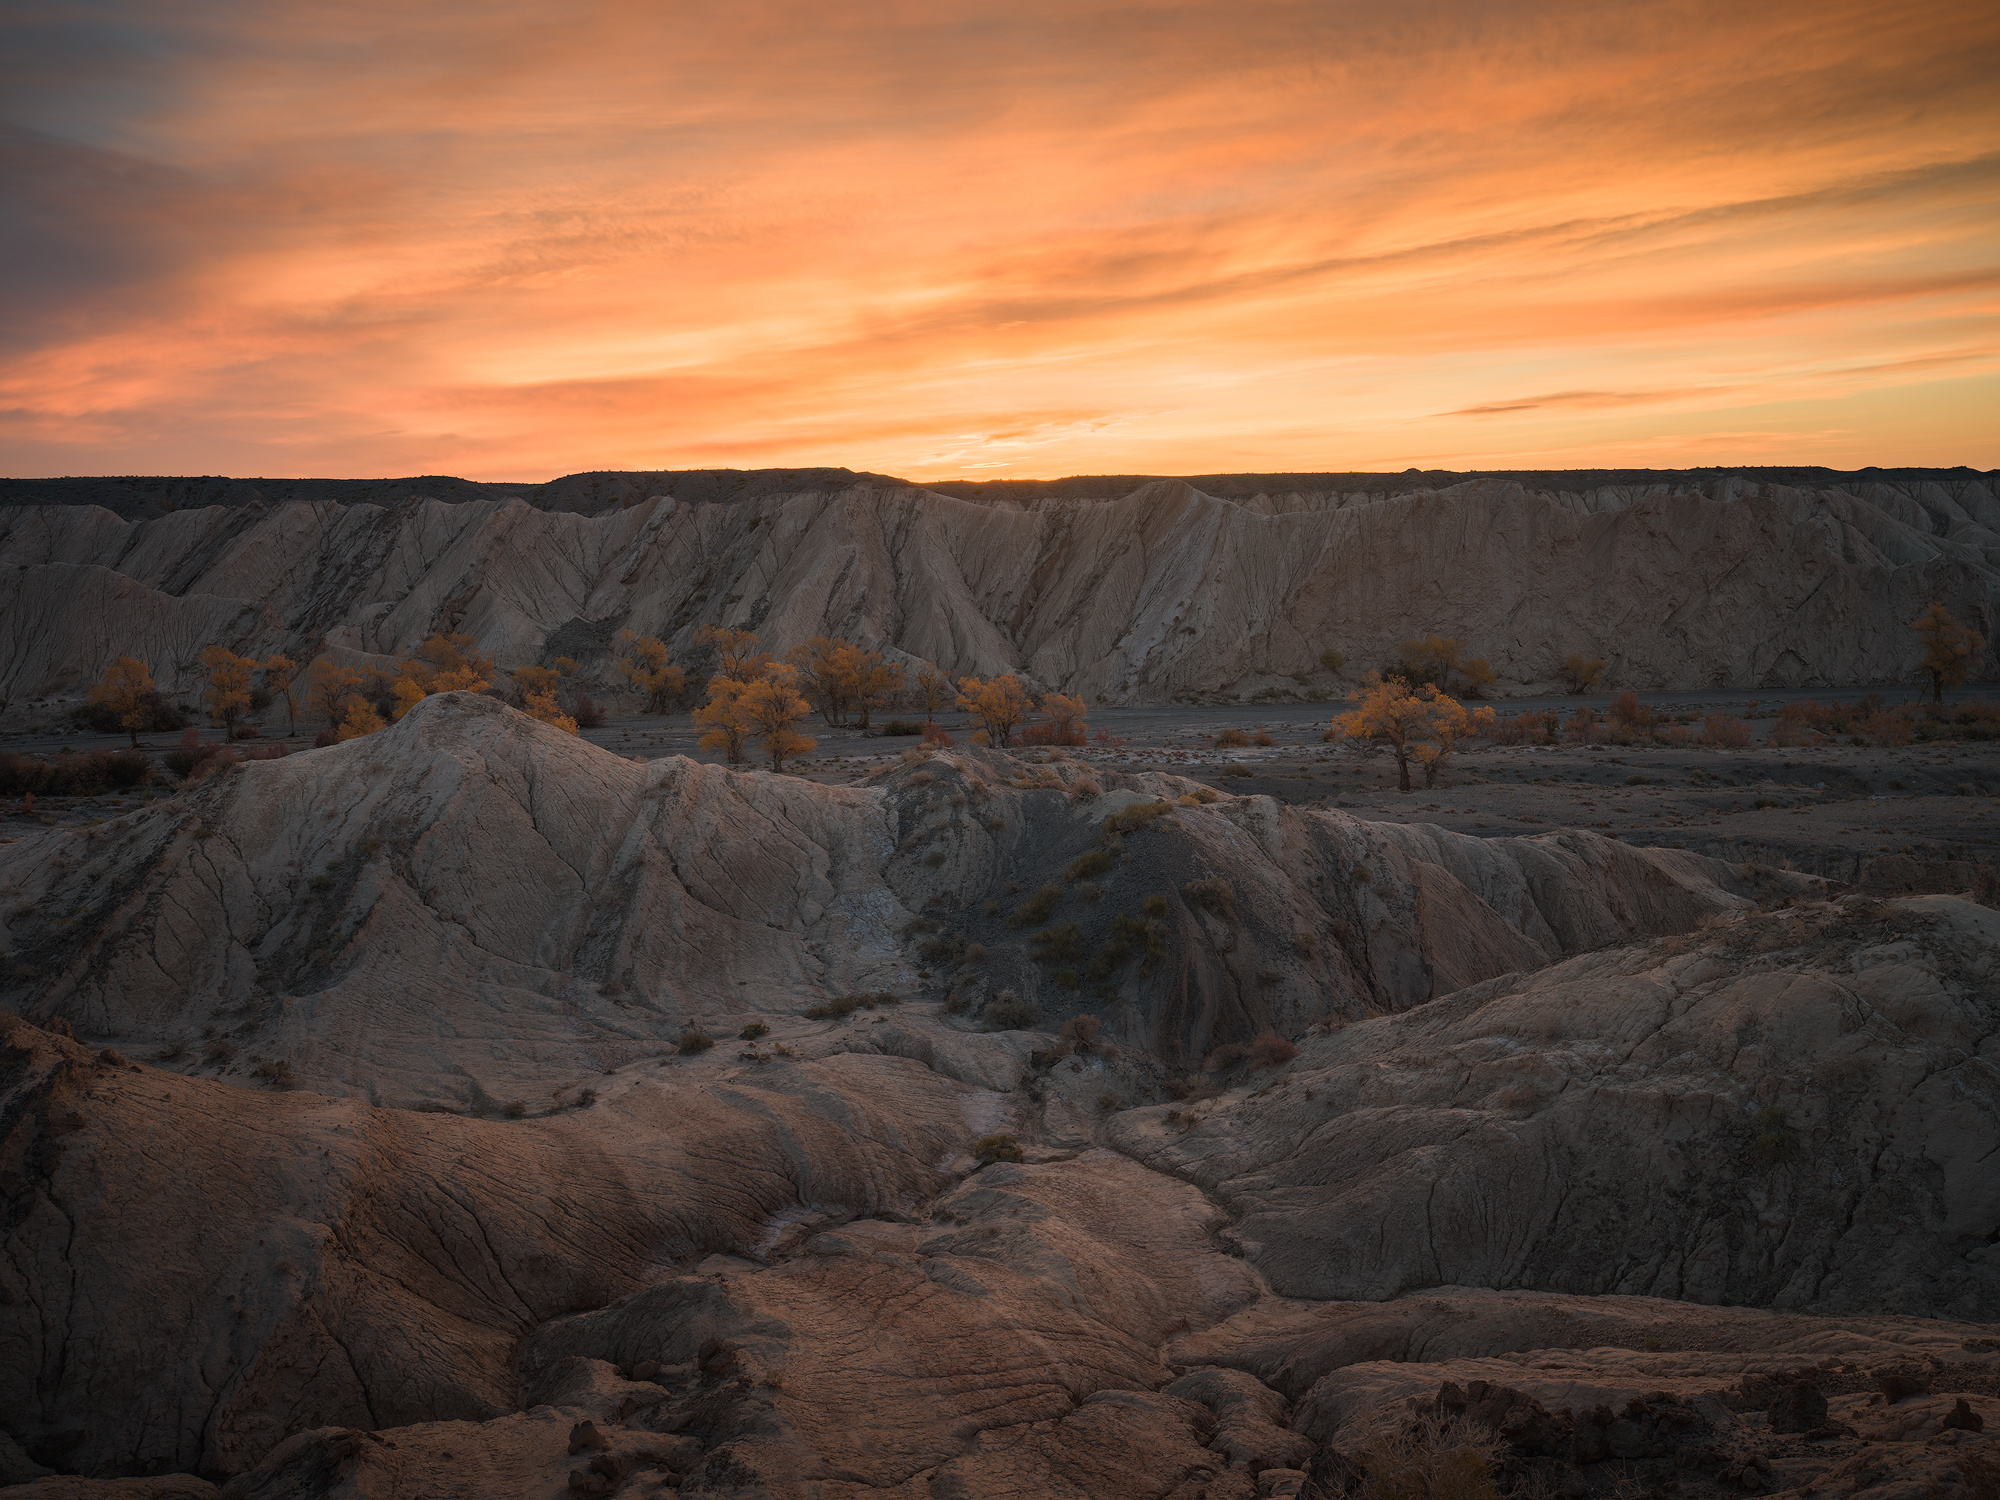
(516, 239)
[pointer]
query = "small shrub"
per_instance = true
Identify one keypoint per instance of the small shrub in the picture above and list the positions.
(1235, 771)
(947, 948)
(102, 717)
(1306, 942)
(1058, 945)
(1154, 905)
(1722, 730)
(753, 1031)
(903, 726)
(693, 1042)
(1212, 896)
(1262, 738)
(1638, 781)
(1090, 862)
(1007, 1011)
(1226, 1055)
(1080, 1032)
(585, 1098)
(1037, 908)
(841, 1006)
(221, 1050)
(278, 1074)
(1270, 1050)
(89, 774)
(1133, 817)
(587, 713)
(976, 953)
(1000, 1147)
(517, 1109)
(1231, 739)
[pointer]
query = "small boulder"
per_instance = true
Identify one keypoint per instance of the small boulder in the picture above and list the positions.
(1962, 1417)
(1899, 1385)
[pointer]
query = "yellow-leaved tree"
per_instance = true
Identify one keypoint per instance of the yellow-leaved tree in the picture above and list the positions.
(648, 668)
(934, 691)
(829, 674)
(280, 672)
(126, 689)
(1450, 722)
(727, 717)
(357, 718)
(773, 706)
(538, 685)
(876, 684)
(1000, 704)
(1416, 723)
(1582, 673)
(1430, 658)
(451, 664)
(228, 692)
(1065, 714)
(736, 653)
(1951, 650)
(328, 687)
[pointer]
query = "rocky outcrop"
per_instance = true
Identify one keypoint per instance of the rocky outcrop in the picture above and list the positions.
(1125, 597)
(1596, 1169)
(1797, 1114)
(192, 1270)
(472, 907)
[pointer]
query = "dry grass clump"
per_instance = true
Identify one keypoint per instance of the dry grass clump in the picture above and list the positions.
(1089, 863)
(997, 1147)
(1212, 896)
(1270, 1050)
(694, 1041)
(1037, 908)
(1007, 1011)
(1231, 739)
(841, 1006)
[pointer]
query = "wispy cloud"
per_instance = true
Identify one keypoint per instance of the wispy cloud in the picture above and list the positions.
(515, 238)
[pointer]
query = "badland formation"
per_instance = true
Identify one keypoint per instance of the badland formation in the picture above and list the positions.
(799, 984)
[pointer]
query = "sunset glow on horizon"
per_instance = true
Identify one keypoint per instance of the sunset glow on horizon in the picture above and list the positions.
(510, 241)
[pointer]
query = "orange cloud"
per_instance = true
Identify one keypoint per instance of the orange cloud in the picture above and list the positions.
(519, 239)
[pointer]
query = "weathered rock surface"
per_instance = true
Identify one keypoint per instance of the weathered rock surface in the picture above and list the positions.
(1612, 1167)
(1124, 597)
(472, 907)
(1799, 1113)
(193, 1270)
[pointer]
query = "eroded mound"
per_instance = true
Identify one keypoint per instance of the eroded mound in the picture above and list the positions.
(1555, 1106)
(472, 907)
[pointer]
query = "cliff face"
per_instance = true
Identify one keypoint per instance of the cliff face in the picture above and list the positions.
(1162, 591)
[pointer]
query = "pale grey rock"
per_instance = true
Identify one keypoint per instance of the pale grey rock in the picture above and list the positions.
(1787, 1113)
(1129, 597)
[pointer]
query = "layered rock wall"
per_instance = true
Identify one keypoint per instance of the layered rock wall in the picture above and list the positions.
(1140, 597)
